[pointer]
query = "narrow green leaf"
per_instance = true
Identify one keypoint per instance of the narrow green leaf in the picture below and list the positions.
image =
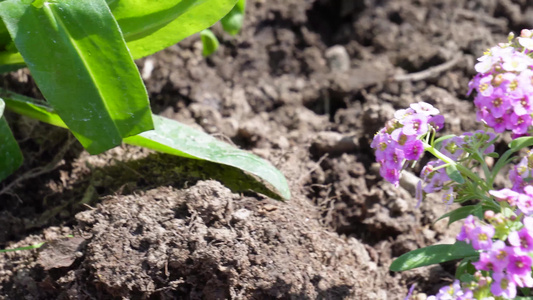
(36, 246)
(32, 108)
(430, 255)
(232, 22)
(454, 174)
(173, 138)
(493, 155)
(78, 58)
(10, 155)
(209, 42)
(150, 26)
(522, 142)
(461, 213)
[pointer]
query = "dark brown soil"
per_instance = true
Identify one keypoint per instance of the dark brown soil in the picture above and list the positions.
(305, 85)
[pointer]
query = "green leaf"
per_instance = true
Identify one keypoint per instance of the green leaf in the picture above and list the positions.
(10, 155)
(430, 255)
(232, 22)
(173, 138)
(150, 26)
(454, 174)
(209, 42)
(36, 246)
(465, 269)
(178, 139)
(5, 39)
(79, 60)
(461, 213)
(522, 142)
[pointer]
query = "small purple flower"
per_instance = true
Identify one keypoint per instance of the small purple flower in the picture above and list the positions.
(485, 262)
(520, 123)
(482, 237)
(499, 255)
(415, 125)
(413, 150)
(521, 106)
(394, 158)
(401, 138)
(448, 197)
(437, 122)
(507, 195)
(424, 108)
(401, 114)
(390, 174)
(519, 264)
(466, 231)
(503, 285)
(523, 280)
(521, 239)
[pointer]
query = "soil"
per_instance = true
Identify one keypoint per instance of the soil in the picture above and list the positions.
(305, 85)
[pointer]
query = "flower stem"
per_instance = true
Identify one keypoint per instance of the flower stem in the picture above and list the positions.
(464, 170)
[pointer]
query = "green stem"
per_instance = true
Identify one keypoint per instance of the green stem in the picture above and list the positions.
(464, 170)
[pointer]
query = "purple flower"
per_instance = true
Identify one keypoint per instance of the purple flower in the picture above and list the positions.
(499, 255)
(401, 114)
(394, 158)
(424, 108)
(520, 123)
(507, 195)
(485, 262)
(523, 280)
(503, 285)
(521, 239)
(448, 197)
(413, 150)
(415, 125)
(482, 237)
(466, 231)
(437, 122)
(400, 137)
(519, 264)
(521, 106)
(390, 174)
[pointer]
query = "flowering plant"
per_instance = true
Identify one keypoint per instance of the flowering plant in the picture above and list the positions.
(496, 240)
(81, 56)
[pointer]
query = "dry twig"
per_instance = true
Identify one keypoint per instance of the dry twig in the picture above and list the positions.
(430, 72)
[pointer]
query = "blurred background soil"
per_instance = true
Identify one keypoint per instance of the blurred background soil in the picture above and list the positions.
(305, 85)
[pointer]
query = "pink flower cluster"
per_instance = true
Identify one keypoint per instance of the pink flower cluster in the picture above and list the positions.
(509, 262)
(504, 86)
(400, 140)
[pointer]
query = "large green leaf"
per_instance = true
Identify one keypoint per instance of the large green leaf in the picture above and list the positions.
(10, 155)
(79, 59)
(430, 255)
(150, 26)
(173, 138)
